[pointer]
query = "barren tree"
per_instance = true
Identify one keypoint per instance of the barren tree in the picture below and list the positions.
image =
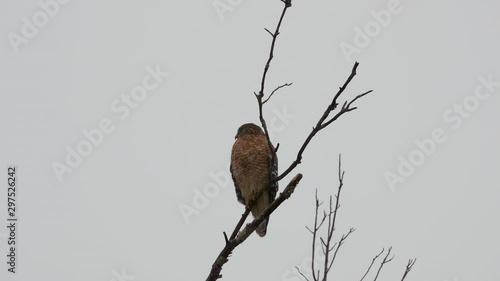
(331, 114)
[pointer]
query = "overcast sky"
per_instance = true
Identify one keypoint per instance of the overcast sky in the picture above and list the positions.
(120, 117)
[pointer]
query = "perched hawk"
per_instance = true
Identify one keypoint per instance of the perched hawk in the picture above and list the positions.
(252, 171)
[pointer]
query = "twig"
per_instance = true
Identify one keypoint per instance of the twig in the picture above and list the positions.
(275, 90)
(371, 264)
(332, 219)
(322, 123)
(271, 52)
(314, 233)
(409, 267)
(386, 260)
(302, 274)
(340, 243)
(223, 256)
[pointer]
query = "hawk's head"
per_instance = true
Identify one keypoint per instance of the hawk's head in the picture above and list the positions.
(249, 129)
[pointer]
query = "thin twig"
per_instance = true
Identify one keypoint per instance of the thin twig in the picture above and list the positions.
(275, 90)
(386, 260)
(314, 233)
(371, 264)
(332, 219)
(409, 267)
(340, 243)
(302, 274)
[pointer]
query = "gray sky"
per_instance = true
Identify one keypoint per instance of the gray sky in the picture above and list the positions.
(120, 117)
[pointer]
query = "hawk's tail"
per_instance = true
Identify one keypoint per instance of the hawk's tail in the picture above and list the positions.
(262, 228)
(257, 208)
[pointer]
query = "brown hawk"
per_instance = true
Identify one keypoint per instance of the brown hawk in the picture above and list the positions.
(251, 170)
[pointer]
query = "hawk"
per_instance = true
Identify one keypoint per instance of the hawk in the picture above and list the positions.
(252, 170)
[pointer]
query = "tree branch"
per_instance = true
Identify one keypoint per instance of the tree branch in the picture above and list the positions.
(409, 267)
(275, 90)
(340, 243)
(386, 260)
(240, 224)
(260, 95)
(322, 123)
(332, 219)
(223, 256)
(302, 274)
(314, 234)
(371, 264)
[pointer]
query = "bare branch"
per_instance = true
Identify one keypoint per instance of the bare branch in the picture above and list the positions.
(332, 219)
(371, 264)
(275, 90)
(313, 248)
(345, 108)
(409, 267)
(300, 272)
(322, 123)
(386, 260)
(340, 243)
(223, 256)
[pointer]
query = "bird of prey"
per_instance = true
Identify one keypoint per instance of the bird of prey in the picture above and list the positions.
(252, 169)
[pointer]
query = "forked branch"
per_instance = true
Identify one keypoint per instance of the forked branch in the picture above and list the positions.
(323, 121)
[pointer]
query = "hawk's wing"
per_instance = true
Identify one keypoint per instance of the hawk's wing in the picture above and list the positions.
(273, 173)
(236, 187)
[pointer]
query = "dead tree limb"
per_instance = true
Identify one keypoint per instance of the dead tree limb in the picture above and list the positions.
(277, 89)
(371, 264)
(332, 219)
(386, 260)
(409, 267)
(231, 244)
(323, 121)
